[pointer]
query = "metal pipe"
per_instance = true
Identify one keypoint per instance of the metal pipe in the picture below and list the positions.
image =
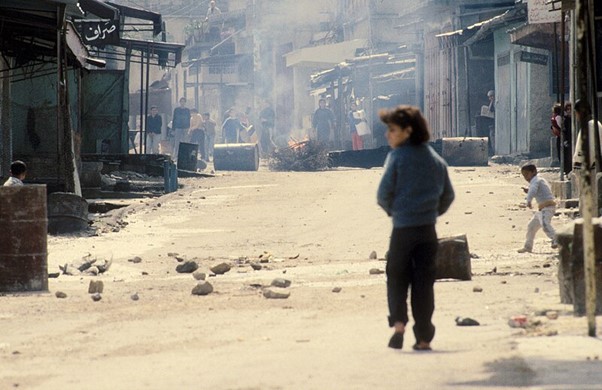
(146, 98)
(141, 102)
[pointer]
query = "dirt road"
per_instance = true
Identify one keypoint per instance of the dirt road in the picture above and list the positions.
(318, 230)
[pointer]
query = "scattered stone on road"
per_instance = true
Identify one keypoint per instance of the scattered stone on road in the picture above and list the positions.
(96, 297)
(134, 297)
(199, 275)
(466, 321)
(92, 271)
(202, 288)
(135, 260)
(220, 268)
(517, 322)
(552, 315)
(336, 289)
(60, 294)
(280, 282)
(276, 293)
(477, 289)
(96, 286)
(172, 254)
(376, 271)
(256, 266)
(373, 255)
(187, 267)
(180, 258)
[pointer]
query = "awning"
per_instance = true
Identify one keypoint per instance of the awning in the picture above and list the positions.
(99, 9)
(534, 35)
(324, 55)
(169, 54)
(139, 13)
(405, 74)
(486, 27)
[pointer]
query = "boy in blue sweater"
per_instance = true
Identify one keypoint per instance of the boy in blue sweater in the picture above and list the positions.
(415, 189)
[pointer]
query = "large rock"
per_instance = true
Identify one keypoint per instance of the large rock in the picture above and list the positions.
(221, 268)
(276, 293)
(95, 286)
(280, 282)
(202, 288)
(187, 267)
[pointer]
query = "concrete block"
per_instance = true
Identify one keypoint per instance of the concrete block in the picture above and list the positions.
(465, 151)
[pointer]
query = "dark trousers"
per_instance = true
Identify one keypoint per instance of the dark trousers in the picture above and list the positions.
(411, 263)
(198, 137)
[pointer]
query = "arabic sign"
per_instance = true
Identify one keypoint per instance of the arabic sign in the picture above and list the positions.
(539, 12)
(534, 58)
(99, 33)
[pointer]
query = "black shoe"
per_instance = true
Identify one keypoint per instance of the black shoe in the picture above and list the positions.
(418, 347)
(396, 341)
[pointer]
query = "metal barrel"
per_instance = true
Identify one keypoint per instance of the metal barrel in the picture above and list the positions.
(236, 157)
(23, 244)
(67, 213)
(187, 156)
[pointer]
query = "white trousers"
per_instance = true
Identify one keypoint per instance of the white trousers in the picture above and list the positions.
(541, 219)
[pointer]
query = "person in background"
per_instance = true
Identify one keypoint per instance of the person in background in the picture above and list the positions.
(567, 132)
(323, 122)
(556, 125)
(538, 189)
(181, 124)
(154, 123)
(231, 128)
(197, 132)
(414, 190)
(356, 140)
(209, 126)
(267, 118)
(18, 171)
(491, 97)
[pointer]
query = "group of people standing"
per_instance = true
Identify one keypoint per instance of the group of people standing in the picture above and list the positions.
(324, 124)
(188, 125)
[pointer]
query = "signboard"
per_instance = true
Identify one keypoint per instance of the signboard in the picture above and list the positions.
(534, 58)
(98, 32)
(540, 12)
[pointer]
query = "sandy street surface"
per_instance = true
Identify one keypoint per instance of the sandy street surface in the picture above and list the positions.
(319, 230)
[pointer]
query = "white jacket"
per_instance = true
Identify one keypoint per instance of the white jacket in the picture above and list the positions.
(579, 157)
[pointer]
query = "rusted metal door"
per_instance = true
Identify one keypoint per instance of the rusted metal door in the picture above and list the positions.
(104, 112)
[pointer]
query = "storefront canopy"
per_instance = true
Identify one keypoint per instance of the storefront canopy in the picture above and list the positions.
(324, 55)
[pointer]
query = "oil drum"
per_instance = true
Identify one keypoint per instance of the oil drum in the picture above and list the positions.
(67, 213)
(23, 247)
(187, 156)
(236, 157)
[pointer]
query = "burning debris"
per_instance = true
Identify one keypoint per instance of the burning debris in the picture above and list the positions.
(306, 155)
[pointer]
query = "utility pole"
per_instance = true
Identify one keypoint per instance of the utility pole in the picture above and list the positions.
(583, 110)
(6, 143)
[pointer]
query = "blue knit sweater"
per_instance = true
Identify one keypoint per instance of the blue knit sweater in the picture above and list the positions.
(415, 188)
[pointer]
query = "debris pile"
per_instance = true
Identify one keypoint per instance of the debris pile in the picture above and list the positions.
(87, 265)
(301, 156)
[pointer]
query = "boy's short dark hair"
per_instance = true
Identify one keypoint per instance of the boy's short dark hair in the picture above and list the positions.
(154, 107)
(206, 114)
(529, 168)
(18, 167)
(404, 116)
